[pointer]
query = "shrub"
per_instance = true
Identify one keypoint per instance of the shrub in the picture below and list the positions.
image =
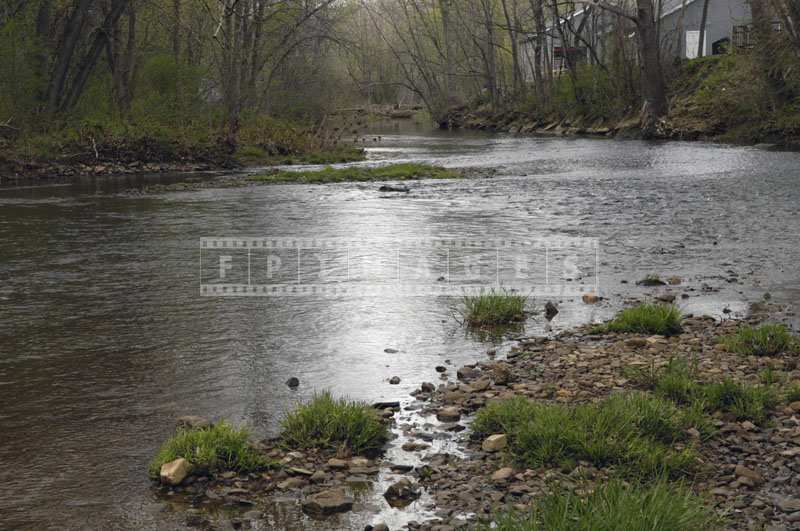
(631, 431)
(326, 422)
(494, 308)
(655, 507)
(766, 340)
(663, 319)
(219, 447)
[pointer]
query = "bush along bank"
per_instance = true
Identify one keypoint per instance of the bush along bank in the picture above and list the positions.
(591, 429)
(719, 98)
(86, 149)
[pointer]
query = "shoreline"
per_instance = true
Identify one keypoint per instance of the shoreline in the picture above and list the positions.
(627, 128)
(450, 479)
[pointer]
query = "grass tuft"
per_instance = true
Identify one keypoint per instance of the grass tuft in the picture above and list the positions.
(662, 319)
(676, 382)
(656, 507)
(393, 172)
(634, 432)
(494, 308)
(326, 422)
(219, 447)
(765, 340)
(793, 393)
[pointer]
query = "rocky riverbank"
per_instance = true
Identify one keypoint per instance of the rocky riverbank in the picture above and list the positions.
(447, 478)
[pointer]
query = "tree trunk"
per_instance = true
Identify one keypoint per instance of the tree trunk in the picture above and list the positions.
(703, 20)
(512, 35)
(66, 50)
(491, 56)
(654, 90)
(176, 29)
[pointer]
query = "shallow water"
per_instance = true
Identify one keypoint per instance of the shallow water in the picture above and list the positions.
(105, 339)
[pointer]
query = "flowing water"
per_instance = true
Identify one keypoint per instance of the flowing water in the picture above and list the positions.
(105, 339)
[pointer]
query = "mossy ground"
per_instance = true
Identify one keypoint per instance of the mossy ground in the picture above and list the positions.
(392, 172)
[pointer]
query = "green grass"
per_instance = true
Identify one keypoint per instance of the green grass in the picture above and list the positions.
(765, 340)
(330, 423)
(662, 319)
(394, 172)
(494, 308)
(676, 382)
(219, 447)
(793, 393)
(634, 432)
(615, 506)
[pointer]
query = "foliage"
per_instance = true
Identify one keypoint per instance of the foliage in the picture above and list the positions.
(330, 423)
(393, 172)
(612, 506)
(663, 319)
(494, 308)
(765, 340)
(633, 432)
(219, 447)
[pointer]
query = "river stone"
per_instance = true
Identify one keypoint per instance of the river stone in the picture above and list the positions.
(337, 464)
(467, 373)
(744, 472)
(193, 422)
(402, 491)
(174, 472)
(495, 443)
(427, 387)
(787, 505)
(378, 527)
(394, 380)
(550, 310)
(327, 502)
(293, 382)
(292, 483)
(502, 474)
(449, 414)
(590, 298)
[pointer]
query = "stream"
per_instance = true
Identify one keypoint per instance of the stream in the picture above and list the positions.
(105, 338)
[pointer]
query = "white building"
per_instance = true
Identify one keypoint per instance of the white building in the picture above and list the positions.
(588, 30)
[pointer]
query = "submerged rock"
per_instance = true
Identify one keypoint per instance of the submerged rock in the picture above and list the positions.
(328, 502)
(449, 414)
(393, 188)
(174, 472)
(293, 382)
(394, 380)
(550, 310)
(401, 493)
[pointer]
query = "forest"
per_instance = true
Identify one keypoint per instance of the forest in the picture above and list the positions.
(226, 82)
